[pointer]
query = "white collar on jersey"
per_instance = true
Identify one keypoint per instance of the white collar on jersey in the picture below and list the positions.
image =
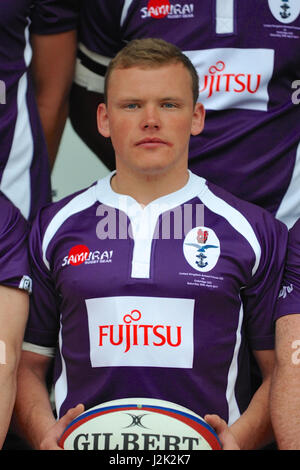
(106, 195)
(144, 220)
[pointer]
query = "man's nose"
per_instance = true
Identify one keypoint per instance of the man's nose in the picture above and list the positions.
(151, 118)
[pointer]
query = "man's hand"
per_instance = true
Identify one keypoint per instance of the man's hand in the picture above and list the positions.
(220, 426)
(50, 441)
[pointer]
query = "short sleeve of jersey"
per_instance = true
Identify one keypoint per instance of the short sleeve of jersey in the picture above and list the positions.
(54, 16)
(289, 296)
(43, 322)
(260, 295)
(14, 260)
(100, 26)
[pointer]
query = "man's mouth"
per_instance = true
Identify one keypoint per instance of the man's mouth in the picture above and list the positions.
(152, 142)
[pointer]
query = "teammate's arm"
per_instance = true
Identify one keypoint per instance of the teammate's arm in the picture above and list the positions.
(33, 411)
(83, 112)
(253, 430)
(285, 396)
(53, 63)
(13, 316)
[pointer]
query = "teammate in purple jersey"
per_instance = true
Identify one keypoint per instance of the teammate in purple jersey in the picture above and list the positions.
(31, 34)
(153, 281)
(249, 82)
(15, 284)
(285, 390)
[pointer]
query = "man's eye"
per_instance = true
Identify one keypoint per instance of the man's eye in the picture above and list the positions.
(131, 106)
(169, 105)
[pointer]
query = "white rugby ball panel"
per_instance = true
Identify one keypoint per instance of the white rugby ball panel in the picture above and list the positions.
(139, 424)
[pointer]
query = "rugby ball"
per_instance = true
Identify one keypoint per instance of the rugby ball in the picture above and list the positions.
(139, 424)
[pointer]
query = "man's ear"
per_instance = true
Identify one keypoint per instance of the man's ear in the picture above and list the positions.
(198, 119)
(102, 120)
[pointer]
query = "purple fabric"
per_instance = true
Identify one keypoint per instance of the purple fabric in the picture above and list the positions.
(194, 306)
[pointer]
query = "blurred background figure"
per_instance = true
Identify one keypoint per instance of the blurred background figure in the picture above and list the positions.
(37, 56)
(37, 49)
(246, 56)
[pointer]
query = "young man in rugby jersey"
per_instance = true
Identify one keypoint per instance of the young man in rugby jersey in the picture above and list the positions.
(15, 285)
(155, 282)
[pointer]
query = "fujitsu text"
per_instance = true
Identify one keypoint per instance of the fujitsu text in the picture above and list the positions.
(219, 81)
(131, 333)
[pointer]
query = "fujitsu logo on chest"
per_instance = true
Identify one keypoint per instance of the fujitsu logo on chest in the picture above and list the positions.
(134, 332)
(141, 331)
(234, 77)
(220, 80)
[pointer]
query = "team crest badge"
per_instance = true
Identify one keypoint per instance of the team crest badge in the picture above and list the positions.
(201, 248)
(285, 11)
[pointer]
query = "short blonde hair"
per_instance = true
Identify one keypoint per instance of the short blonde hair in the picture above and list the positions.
(148, 53)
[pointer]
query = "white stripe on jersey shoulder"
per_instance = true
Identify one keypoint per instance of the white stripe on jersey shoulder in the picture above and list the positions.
(35, 348)
(79, 203)
(236, 219)
(126, 7)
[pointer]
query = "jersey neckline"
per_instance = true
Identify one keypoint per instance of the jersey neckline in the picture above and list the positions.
(194, 187)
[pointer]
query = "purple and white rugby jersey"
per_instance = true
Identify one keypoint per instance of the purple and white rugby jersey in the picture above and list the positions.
(14, 262)
(162, 301)
(289, 296)
(24, 166)
(247, 54)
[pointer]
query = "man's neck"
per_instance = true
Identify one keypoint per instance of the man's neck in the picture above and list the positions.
(146, 188)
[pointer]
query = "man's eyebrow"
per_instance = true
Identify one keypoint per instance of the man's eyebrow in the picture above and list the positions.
(139, 100)
(130, 98)
(170, 97)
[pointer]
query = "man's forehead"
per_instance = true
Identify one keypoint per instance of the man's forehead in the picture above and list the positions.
(148, 67)
(145, 77)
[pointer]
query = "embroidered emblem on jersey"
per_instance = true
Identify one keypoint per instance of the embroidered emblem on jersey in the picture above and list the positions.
(285, 290)
(141, 331)
(81, 254)
(165, 9)
(234, 78)
(201, 249)
(285, 11)
(26, 284)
